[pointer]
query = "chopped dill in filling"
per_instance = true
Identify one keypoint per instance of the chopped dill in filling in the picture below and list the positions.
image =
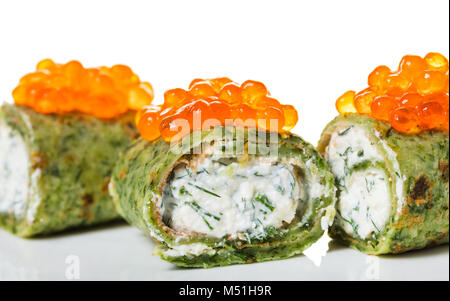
(363, 184)
(14, 179)
(220, 197)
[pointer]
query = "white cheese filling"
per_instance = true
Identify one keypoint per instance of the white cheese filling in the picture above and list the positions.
(364, 203)
(14, 168)
(349, 147)
(231, 198)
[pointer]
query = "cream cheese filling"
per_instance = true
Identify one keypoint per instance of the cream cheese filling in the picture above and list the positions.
(365, 199)
(365, 205)
(232, 198)
(14, 169)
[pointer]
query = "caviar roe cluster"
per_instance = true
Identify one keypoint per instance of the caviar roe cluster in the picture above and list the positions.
(411, 99)
(102, 92)
(219, 101)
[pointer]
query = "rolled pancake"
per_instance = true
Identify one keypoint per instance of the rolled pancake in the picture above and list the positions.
(393, 188)
(55, 169)
(231, 196)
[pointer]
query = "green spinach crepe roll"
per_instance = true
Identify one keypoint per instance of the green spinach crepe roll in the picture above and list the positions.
(232, 196)
(59, 141)
(54, 170)
(393, 188)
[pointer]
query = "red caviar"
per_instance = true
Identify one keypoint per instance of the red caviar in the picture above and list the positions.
(412, 99)
(217, 101)
(102, 92)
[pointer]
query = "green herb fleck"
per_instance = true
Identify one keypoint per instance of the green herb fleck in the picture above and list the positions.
(263, 199)
(378, 230)
(351, 223)
(347, 151)
(280, 189)
(203, 213)
(369, 185)
(188, 171)
(183, 191)
(202, 171)
(344, 132)
(205, 190)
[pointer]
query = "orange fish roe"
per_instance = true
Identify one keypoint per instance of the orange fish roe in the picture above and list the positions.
(218, 101)
(102, 92)
(412, 99)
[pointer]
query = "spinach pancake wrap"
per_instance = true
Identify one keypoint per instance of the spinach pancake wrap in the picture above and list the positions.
(233, 195)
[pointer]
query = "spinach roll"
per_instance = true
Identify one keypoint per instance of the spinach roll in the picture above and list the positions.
(58, 144)
(214, 185)
(55, 170)
(389, 153)
(210, 205)
(393, 188)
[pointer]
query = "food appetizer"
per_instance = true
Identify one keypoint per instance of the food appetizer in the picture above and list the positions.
(218, 179)
(58, 144)
(389, 152)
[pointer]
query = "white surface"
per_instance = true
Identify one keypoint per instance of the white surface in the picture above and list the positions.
(307, 52)
(120, 252)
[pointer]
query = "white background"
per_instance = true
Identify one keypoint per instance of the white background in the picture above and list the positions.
(307, 52)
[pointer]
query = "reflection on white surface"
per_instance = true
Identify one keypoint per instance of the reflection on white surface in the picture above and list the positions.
(16, 272)
(121, 252)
